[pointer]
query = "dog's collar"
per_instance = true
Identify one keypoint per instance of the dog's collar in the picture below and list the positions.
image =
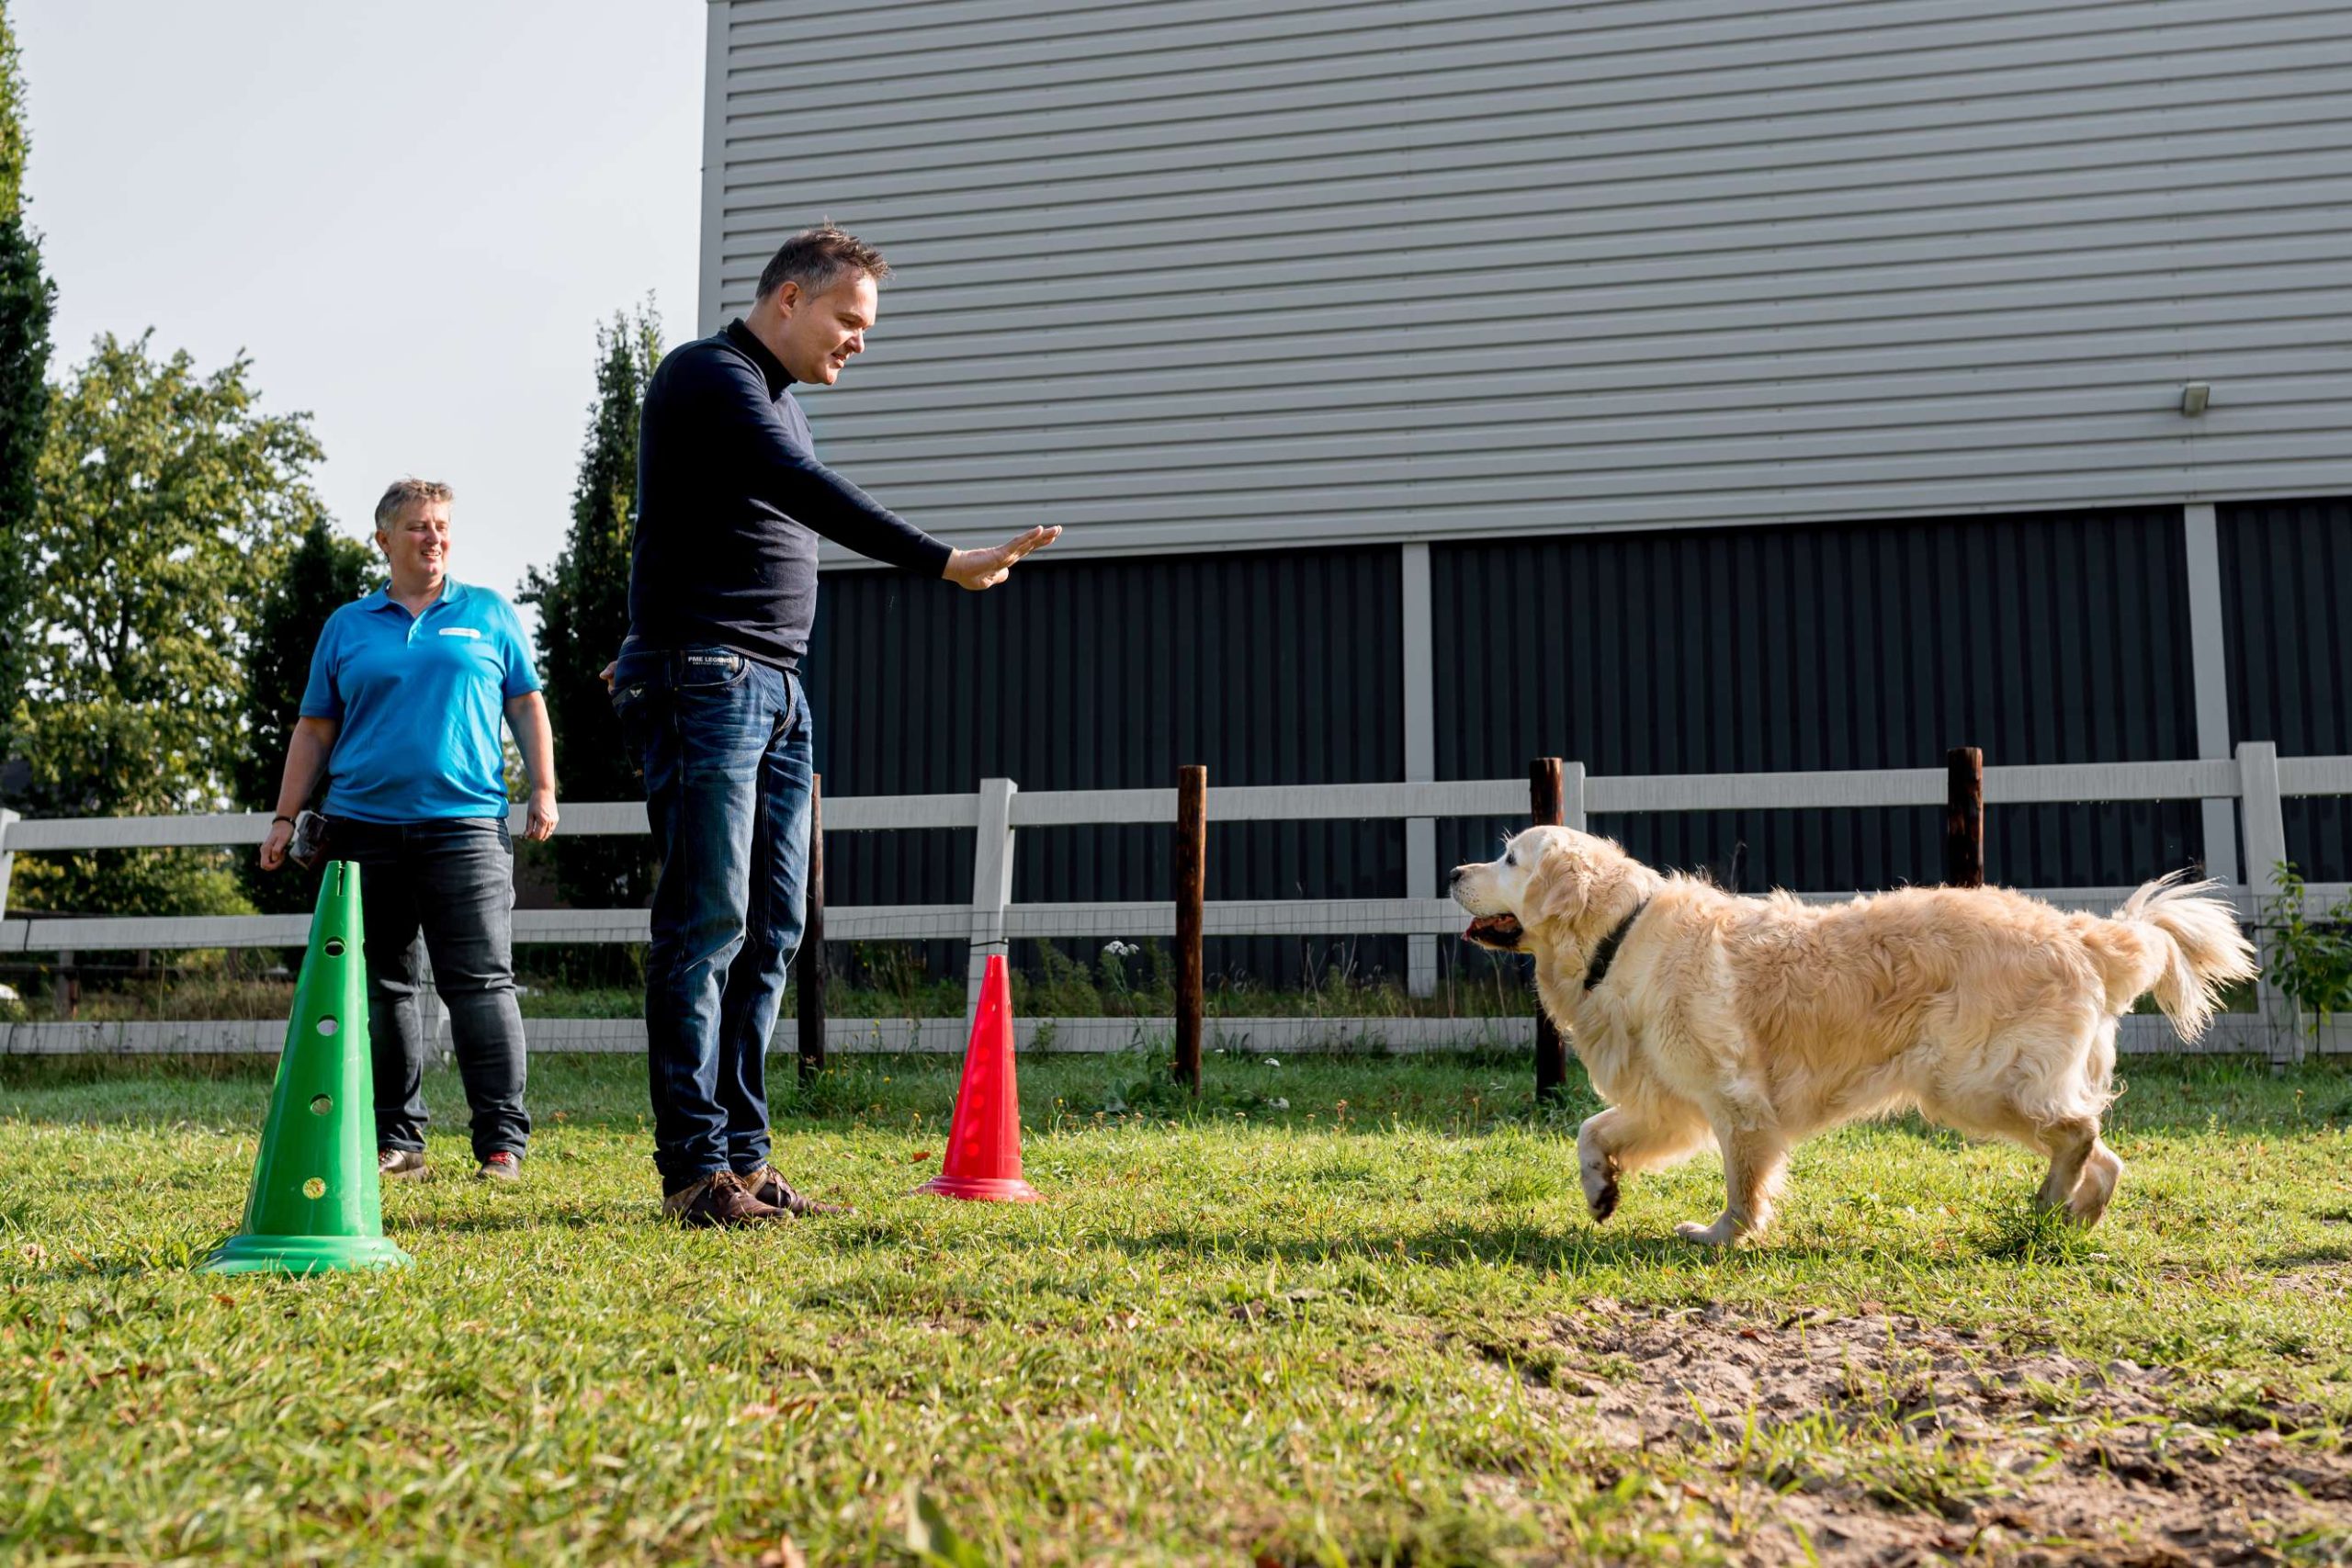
(1605, 952)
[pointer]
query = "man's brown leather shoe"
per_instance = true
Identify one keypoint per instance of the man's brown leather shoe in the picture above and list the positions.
(400, 1165)
(770, 1188)
(719, 1199)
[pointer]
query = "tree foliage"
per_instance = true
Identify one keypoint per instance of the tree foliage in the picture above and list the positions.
(584, 615)
(27, 302)
(167, 503)
(323, 572)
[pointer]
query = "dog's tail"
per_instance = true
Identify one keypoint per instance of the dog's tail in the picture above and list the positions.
(2174, 938)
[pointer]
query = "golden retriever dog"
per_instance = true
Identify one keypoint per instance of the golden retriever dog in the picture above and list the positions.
(1760, 1021)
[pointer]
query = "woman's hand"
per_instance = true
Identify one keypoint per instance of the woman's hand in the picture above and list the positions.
(540, 822)
(273, 847)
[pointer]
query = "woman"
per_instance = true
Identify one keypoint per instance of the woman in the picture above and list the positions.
(406, 689)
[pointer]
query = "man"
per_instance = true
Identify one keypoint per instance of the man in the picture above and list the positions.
(731, 501)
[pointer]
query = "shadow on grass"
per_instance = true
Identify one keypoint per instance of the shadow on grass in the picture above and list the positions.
(1459, 1095)
(2309, 1257)
(1578, 1249)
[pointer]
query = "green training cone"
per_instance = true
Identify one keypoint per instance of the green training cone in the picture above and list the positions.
(316, 1202)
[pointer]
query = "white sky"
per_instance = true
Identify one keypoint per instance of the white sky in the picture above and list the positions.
(412, 215)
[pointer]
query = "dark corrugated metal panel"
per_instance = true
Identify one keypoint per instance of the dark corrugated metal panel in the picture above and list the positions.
(2044, 638)
(1269, 667)
(2286, 579)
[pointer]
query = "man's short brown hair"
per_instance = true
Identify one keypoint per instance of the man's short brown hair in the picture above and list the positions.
(818, 258)
(402, 493)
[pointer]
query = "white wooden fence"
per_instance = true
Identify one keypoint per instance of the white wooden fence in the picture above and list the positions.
(2256, 777)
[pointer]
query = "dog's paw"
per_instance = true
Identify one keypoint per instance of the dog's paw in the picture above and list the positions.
(1600, 1197)
(1719, 1233)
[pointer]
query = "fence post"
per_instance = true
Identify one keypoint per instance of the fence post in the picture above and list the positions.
(1964, 816)
(1191, 888)
(1547, 780)
(808, 967)
(7, 857)
(8, 863)
(2265, 848)
(1418, 645)
(992, 887)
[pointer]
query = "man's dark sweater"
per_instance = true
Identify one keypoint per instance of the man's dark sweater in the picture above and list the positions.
(730, 502)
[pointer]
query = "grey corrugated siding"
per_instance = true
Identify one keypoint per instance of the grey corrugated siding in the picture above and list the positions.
(2048, 638)
(1275, 668)
(1202, 272)
(2286, 580)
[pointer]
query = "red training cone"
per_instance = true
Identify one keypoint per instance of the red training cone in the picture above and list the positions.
(984, 1141)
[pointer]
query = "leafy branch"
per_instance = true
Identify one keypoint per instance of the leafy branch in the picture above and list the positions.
(2311, 959)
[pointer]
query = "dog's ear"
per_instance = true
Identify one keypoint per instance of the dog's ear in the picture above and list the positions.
(1559, 888)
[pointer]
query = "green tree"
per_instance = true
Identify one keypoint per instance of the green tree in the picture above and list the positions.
(325, 573)
(584, 615)
(166, 504)
(27, 300)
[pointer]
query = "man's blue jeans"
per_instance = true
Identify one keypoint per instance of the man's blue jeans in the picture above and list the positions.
(724, 743)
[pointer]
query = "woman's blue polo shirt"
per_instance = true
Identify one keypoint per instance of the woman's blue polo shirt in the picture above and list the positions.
(419, 699)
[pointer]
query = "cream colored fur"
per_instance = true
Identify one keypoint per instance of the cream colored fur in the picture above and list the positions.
(1756, 1022)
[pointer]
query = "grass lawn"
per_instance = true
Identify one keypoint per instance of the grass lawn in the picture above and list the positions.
(1350, 1311)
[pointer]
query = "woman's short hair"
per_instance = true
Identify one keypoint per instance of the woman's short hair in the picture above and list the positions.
(403, 491)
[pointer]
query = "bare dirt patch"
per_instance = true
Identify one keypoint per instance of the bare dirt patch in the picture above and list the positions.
(1877, 1438)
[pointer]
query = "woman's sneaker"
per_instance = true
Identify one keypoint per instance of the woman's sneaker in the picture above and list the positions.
(504, 1166)
(400, 1165)
(718, 1198)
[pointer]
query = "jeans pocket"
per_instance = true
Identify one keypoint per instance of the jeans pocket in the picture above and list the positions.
(629, 708)
(709, 669)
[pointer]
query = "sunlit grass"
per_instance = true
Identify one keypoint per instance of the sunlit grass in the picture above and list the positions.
(1313, 1330)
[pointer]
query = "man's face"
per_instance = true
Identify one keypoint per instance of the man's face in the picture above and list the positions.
(821, 331)
(417, 544)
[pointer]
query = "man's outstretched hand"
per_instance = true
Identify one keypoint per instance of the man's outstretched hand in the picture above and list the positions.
(976, 569)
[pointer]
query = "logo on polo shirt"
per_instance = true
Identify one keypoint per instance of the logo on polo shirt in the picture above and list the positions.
(459, 631)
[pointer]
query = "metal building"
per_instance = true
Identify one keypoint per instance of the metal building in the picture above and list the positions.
(1673, 385)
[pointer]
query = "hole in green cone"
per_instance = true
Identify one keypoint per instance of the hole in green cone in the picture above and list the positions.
(328, 1026)
(334, 947)
(314, 1188)
(321, 1104)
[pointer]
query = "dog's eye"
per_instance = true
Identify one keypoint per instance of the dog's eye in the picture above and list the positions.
(1510, 857)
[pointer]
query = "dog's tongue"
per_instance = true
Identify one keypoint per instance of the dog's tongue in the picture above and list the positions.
(1495, 930)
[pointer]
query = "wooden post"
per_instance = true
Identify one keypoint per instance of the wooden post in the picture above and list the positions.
(1543, 792)
(7, 857)
(2266, 851)
(1964, 817)
(809, 966)
(993, 846)
(1192, 883)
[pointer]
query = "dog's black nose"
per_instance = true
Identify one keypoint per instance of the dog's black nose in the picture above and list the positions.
(1456, 880)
